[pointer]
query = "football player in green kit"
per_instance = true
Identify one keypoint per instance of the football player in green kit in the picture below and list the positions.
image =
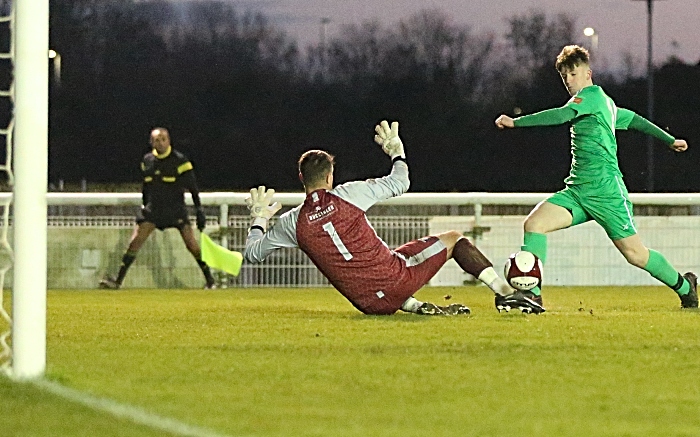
(594, 188)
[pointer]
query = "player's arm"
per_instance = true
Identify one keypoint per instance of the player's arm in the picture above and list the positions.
(364, 194)
(627, 119)
(189, 181)
(145, 186)
(261, 241)
(548, 117)
(144, 195)
(259, 245)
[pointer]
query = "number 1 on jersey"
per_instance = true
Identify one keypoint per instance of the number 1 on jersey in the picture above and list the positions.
(328, 227)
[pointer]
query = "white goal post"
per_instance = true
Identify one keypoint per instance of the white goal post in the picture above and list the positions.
(31, 108)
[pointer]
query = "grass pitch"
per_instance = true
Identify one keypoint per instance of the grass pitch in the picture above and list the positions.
(303, 362)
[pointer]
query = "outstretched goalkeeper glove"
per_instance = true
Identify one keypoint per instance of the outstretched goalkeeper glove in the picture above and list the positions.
(388, 138)
(259, 205)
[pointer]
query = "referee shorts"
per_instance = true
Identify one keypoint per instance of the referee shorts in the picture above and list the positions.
(164, 218)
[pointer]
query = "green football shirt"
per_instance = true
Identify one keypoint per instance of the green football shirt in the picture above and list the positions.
(594, 117)
(593, 144)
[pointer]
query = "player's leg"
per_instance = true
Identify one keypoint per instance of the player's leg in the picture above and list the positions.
(559, 211)
(473, 261)
(421, 260)
(193, 247)
(613, 210)
(142, 231)
(544, 218)
(637, 254)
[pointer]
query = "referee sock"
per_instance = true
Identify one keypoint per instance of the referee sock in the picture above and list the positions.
(659, 267)
(127, 260)
(207, 272)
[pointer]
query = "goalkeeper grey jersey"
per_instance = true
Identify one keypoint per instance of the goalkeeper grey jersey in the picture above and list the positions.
(341, 219)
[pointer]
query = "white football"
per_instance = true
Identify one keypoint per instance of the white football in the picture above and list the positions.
(523, 270)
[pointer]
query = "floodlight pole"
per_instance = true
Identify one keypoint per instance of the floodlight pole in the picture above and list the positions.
(323, 32)
(650, 95)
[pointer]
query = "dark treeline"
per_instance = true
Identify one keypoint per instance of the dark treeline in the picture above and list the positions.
(242, 100)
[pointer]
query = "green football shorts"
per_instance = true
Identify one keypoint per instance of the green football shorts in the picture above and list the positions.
(606, 201)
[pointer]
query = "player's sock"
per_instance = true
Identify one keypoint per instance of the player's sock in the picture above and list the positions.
(411, 305)
(469, 257)
(535, 290)
(489, 277)
(127, 260)
(659, 267)
(536, 243)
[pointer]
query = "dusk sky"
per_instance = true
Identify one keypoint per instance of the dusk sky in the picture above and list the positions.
(620, 24)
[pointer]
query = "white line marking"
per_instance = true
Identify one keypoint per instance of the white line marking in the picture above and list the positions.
(125, 411)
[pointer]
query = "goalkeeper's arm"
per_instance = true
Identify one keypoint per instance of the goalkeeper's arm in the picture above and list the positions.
(261, 241)
(388, 137)
(261, 208)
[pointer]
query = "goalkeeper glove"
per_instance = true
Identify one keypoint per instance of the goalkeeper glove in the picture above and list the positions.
(201, 219)
(259, 205)
(389, 139)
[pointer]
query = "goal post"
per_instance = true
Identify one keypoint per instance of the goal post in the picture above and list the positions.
(30, 188)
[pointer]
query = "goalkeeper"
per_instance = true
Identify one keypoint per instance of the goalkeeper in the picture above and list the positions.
(167, 173)
(332, 229)
(594, 188)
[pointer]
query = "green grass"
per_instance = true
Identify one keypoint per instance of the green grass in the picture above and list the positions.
(27, 411)
(288, 362)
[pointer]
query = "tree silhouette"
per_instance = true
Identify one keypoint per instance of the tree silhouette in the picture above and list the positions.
(243, 102)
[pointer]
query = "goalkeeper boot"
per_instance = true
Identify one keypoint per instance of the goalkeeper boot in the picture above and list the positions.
(690, 300)
(518, 300)
(110, 283)
(455, 309)
(429, 309)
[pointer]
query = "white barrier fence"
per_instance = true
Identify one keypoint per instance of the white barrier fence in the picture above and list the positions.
(84, 247)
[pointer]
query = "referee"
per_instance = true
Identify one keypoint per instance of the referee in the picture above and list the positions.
(167, 173)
